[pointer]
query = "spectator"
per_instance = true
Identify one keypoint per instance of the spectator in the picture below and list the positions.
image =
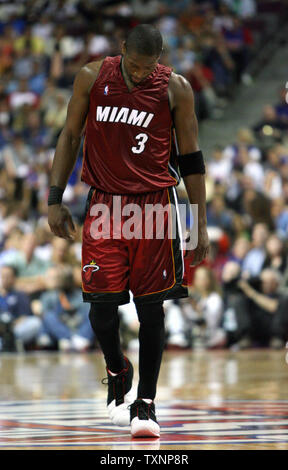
(31, 269)
(239, 40)
(216, 56)
(65, 315)
(62, 254)
(280, 216)
(247, 181)
(254, 260)
(35, 134)
(268, 310)
(201, 78)
(218, 215)
(204, 308)
(20, 326)
(55, 117)
(178, 325)
(240, 248)
(245, 8)
(276, 255)
(236, 320)
(255, 205)
(245, 141)
(16, 159)
(270, 125)
(23, 96)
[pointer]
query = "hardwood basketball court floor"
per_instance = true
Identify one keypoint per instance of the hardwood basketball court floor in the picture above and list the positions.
(206, 400)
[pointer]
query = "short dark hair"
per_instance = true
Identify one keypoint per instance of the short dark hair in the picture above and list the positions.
(145, 39)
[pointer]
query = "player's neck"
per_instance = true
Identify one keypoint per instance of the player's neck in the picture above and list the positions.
(128, 82)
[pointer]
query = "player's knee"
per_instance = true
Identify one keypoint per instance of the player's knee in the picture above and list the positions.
(103, 315)
(150, 314)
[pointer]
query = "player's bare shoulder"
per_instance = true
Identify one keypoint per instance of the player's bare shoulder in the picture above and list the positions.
(179, 89)
(86, 76)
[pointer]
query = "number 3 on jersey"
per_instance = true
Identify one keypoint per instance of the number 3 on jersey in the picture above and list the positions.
(142, 139)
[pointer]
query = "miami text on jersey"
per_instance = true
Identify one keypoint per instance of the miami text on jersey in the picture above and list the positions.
(123, 114)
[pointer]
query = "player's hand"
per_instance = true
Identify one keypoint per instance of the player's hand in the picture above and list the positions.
(61, 222)
(202, 248)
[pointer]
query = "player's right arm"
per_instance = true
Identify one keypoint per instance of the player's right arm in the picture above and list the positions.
(67, 149)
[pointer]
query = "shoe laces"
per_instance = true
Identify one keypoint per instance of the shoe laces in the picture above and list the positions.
(116, 379)
(143, 409)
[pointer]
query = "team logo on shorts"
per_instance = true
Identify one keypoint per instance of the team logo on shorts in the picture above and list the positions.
(88, 271)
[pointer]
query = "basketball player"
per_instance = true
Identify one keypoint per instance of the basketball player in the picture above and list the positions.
(128, 106)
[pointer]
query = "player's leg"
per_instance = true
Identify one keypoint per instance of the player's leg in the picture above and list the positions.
(105, 286)
(157, 273)
(151, 346)
(105, 323)
(104, 320)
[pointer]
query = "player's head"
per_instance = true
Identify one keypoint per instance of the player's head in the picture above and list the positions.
(141, 52)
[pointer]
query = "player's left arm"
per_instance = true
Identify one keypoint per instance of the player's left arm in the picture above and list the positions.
(186, 126)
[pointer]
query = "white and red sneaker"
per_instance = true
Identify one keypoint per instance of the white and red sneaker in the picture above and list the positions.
(143, 419)
(119, 394)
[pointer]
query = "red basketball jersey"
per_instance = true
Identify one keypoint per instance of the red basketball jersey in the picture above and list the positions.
(128, 135)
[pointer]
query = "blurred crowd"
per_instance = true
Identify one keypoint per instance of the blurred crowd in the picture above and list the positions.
(239, 296)
(42, 46)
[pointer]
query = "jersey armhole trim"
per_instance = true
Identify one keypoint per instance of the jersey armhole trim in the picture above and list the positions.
(98, 75)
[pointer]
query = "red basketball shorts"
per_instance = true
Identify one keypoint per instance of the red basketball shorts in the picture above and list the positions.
(132, 242)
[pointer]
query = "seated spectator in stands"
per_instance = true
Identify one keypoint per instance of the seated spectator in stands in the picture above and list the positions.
(62, 253)
(223, 18)
(280, 216)
(245, 140)
(37, 82)
(6, 49)
(11, 236)
(192, 18)
(201, 78)
(31, 269)
(239, 40)
(219, 250)
(268, 310)
(204, 308)
(64, 314)
(272, 157)
(178, 326)
(18, 325)
(54, 117)
(219, 168)
(35, 134)
(276, 254)
(218, 215)
(252, 170)
(16, 161)
(244, 9)
(254, 259)
(23, 96)
(5, 122)
(270, 125)
(239, 250)
(272, 186)
(236, 320)
(28, 41)
(255, 205)
(216, 57)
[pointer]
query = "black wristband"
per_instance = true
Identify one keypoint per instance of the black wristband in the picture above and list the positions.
(55, 195)
(191, 163)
